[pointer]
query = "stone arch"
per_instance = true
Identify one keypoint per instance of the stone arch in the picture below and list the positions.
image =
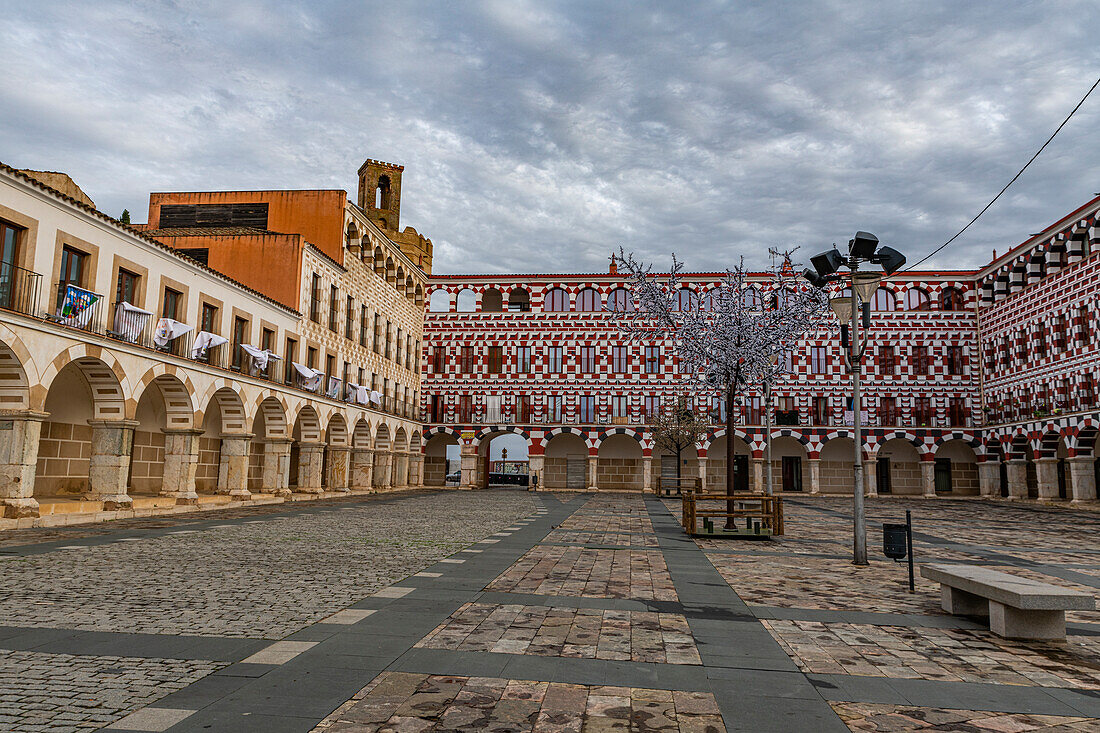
(307, 425)
(435, 464)
(837, 467)
(379, 261)
(175, 389)
(619, 461)
(270, 419)
(495, 430)
(492, 301)
(15, 391)
(790, 465)
(465, 301)
(415, 441)
(442, 429)
(565, 465)
(400, 440)
(391, 272)
(382, 437)
(164, 405)
(898, 460)
(105, 377)
(1050, 442)
(418, 295)
(618, 431)
(439, 301)
(360, 436)
(957, 468)
(918, 445)
(713, 452)
(1020, 447)
(230, 410)
(337, 432)
(519, 300)
(1085, 442)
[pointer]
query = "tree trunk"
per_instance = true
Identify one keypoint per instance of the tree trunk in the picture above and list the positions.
(679, 459)
(730, 524)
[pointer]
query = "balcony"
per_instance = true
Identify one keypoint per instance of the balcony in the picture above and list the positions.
(18, 288)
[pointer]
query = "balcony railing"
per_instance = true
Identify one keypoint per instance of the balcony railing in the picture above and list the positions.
(18, 288)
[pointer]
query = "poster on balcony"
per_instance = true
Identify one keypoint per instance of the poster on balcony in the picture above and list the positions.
(79, 306)
(130, 321)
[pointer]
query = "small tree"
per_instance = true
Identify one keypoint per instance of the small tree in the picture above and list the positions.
(677, 427)
(125, 218)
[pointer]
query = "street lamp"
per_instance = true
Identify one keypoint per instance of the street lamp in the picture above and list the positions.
(852, 311)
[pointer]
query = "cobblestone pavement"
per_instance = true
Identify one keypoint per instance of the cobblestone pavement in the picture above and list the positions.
(871, 717)
(573, 537)
(65, 693)
(420, 702)
(565, 571)
(638, 636)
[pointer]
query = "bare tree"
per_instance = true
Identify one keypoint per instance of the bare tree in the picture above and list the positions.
(676, 427)
(726, 341)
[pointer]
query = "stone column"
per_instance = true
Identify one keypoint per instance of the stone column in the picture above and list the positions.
(535, 465)
(815, 475)
(870, 477)
(383, 469)
(400, 470)
(593, 469)
(647, 474)
(1082, 478)
(275, 478)
(989, 478)
(362, 469)
(467, 467)
(1017, 478)
(416, 469)
(757, 468)
(702, 460)
(181, 463)
(928, 478)
(112, 446)
(1046, 474)
(336, 468)
(233, 470)
(20, 431)
(311, 458)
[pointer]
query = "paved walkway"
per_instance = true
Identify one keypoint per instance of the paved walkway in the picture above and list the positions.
(569, 613)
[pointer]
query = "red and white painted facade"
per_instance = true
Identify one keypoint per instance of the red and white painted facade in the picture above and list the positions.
(962, 402)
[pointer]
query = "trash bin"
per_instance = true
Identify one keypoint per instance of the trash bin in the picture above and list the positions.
(893, 541)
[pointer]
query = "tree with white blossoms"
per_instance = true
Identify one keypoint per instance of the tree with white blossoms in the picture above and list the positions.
(727, 342)
(676, 427)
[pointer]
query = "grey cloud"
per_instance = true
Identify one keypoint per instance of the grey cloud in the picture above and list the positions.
(538, 136)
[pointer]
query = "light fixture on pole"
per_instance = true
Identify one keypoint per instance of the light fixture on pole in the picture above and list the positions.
(850, 310)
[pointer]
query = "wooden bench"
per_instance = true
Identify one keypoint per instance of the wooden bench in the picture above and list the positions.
(1017, 608)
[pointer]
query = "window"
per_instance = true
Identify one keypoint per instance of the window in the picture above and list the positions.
(349, 319)
(330, 370)
(553, 408)
(717, 409)
(1083, 327)
(888, 411)
(619, 407)
(439, 356)
(652, 407)
(686, 300)
(10, 236)
(922, 411)
(956, 411)
(126, 290)
(170, 304)
(955, 360)
(588, 359)
(588, 299)
(619, 359)
(1060, 332)
(821, 410)
(311, 357)
(291, 356)
(750, 299)
(951, 299)
(436, 408)
(588, 408)
(267, 341)
(388, 346)
(553, 360)
(333, 307)
(466, 301)
(653, 360)
(753, 413)
(1040, 340)
(917, 300)
(818, 361)
(377, 333)
(240, 336)
(887, 360)
(465, 408)
(363, 326)
(439, 301)
(466, 359)
(492, 301)
(920, 360)
(209, 321)
(884, 300)
(72, 272)
(315, 299)
(523, 359)
(496, 359)
(523, 408)
(399, 348)
(620, 299)
(556, 299)
(519, 300)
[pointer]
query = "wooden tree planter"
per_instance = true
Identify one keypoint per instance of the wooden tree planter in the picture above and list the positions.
(755, 516)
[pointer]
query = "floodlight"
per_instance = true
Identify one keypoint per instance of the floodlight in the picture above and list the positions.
(890, 259)
(866, 283)
(814, 279)
(828, 262)
(863, 245)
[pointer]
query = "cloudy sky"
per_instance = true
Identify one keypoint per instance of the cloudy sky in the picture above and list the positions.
(537, 136)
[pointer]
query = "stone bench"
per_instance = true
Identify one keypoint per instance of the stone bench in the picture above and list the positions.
(1017, 608)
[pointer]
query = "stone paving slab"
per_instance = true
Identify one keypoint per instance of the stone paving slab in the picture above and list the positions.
(551, 570)
(886, 717)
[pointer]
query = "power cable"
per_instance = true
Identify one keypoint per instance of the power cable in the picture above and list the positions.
(1018, 174)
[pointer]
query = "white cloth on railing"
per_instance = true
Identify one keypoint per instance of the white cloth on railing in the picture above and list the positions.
(260, 358)
(308, 378)
(376, 397)
(77, 308)
(358, 393)
(167, 329)
(204, 341)
(335, 387)
(130, 320)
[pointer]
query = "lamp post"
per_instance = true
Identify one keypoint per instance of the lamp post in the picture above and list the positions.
(853, 311)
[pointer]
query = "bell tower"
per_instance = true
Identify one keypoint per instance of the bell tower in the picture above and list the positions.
(380, 193)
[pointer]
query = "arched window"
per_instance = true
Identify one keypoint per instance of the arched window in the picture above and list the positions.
(555, 299)
(589, 299)
(884, 300)
(686, 300)
(492, 301)
(466, 301)
(917, 300)
(440, 301)
(620, 299)
(519, 300)
(750, 298)
(951, 299)
(707, 301)
(779, 299)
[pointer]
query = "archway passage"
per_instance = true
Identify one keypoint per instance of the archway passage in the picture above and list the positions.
(790, 468)
(897, 467)
(838, 466)
(619, 464)
(502, 460)
(165, 404)
(956, 469)
(566, 462)
(65, 447)
(716, 465)
(438, 465)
